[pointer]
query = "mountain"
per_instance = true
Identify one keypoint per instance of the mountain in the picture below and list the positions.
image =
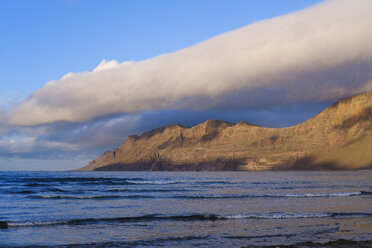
(340, 137)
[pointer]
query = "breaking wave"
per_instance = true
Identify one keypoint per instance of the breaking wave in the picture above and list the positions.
(191, 217)
(98, 197)
(276, 195)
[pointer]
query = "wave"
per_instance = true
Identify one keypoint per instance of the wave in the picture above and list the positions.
(42, 182)
(191, 217)
(215, 182)
(366, 192)
(341, 243)
(37, 185)
(147, 190)
(115, 220)
(34, 194)
(89, 197)
(57, 190)
(72, 179)
(153, 242)
(339, 194)
(276, 195)
(23, 192)
(260, 236)
(26, 192)
(156, 182)
(298, 215)
(273, 195)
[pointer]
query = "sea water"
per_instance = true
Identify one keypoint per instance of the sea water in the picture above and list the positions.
(185, 209)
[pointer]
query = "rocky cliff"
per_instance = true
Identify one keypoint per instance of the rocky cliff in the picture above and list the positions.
(340, 137)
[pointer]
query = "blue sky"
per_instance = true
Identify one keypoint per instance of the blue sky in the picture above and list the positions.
(42, 41)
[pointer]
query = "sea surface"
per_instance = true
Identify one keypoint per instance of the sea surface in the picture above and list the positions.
(186, 209)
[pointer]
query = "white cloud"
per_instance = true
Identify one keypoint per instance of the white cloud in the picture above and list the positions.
(103, 133)
(321, 53)
(31, 145)
(104, 65)
(4, 128)
(54, 164)
(62, 138)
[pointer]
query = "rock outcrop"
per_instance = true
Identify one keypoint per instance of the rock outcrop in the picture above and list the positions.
(340, 137)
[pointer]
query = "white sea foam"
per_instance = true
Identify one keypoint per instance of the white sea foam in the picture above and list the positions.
(279, 215)
(76, 196)
(274, 195)
(192, 217)
(338, 194)
(36, 223)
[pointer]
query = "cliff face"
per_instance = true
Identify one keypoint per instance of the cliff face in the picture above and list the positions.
(340, 137)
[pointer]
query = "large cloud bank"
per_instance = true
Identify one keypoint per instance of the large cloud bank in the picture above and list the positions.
(321, 53)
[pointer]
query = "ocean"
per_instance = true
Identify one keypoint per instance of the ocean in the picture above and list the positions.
(186, 209)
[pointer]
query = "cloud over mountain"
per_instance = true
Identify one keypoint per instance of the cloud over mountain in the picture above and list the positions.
(321, 53)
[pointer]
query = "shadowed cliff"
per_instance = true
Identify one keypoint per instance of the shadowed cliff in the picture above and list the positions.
(340, 137)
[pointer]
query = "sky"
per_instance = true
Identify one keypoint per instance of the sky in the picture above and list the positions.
(78, 76)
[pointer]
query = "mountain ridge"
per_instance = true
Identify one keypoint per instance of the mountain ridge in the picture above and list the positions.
(339, 137)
